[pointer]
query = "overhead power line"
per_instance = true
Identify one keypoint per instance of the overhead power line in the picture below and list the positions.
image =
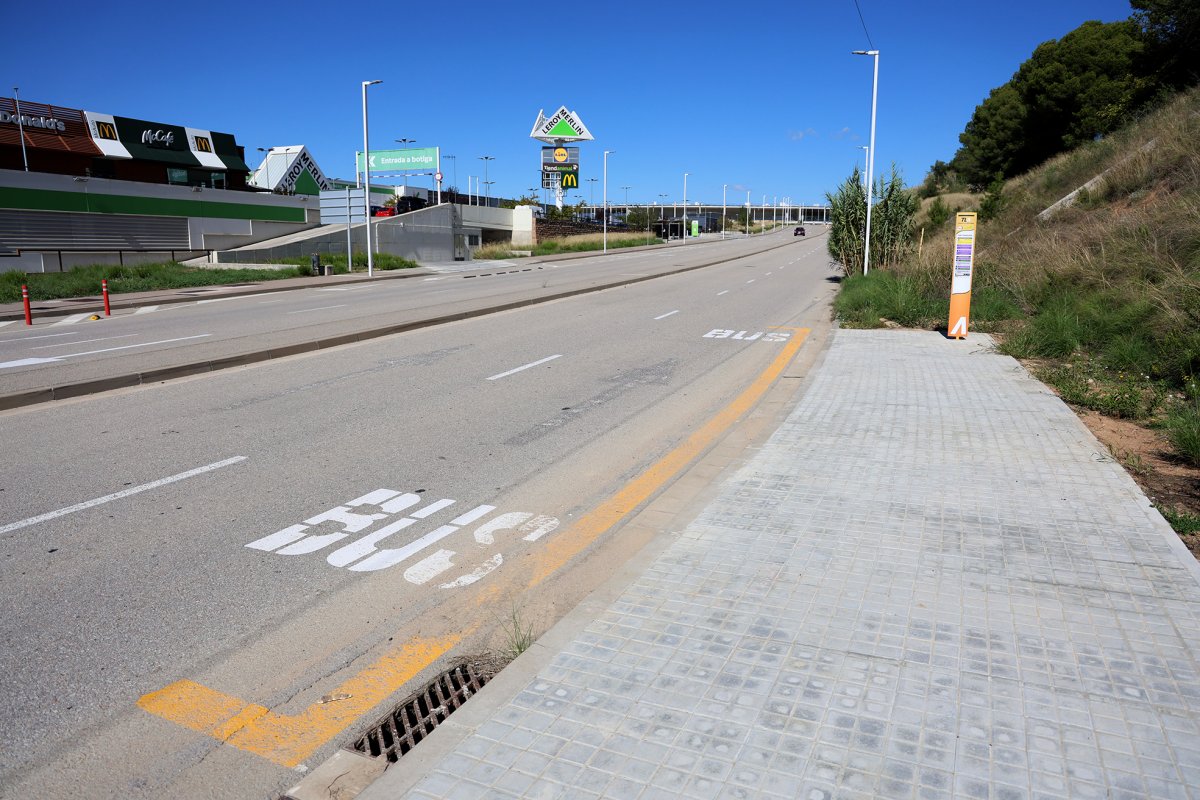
(864, 24)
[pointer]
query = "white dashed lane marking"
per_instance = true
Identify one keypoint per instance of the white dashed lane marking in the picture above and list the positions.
(524, 367)
(318, 308)
(82, 341)
(108, 498)
(669, 313)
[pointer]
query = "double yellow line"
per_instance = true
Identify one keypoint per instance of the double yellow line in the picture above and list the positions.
(289, 739)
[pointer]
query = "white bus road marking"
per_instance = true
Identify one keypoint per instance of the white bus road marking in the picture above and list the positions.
(524, 367)
(145, 310)
(71, 320)
(318, 308)
(82, 341)
(364, 555)
(729, 333)
(669, 313)
(27, 361)
(108, 498)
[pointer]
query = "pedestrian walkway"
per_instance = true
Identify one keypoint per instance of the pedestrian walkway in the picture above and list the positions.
(931, 582)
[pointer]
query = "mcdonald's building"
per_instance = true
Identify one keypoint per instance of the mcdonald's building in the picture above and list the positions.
(37, 137)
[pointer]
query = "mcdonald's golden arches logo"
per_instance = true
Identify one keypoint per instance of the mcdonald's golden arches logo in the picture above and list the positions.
(106, 130)
(202, 144)
(570, 180)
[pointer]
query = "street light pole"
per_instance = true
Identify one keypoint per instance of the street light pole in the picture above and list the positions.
(747, 212)
(485, 160)
(685, 230)
(267, 164)
(366, 181)
(456, 189)
(866, 159)
(663, 210)
(592, 193)
(723, 188)
(605, 196)
(405, 143)
(870, 155)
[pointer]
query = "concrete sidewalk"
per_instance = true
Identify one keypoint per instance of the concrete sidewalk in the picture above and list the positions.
(931, 582)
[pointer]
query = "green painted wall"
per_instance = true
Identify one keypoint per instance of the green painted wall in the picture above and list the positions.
(50, 200)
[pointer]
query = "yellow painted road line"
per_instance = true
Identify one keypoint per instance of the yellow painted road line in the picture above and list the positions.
(595, 523)
(289, 739)
(284, 739)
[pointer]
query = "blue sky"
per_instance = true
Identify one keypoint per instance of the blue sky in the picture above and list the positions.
(759, 97)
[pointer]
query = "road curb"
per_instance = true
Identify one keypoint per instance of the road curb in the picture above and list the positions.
(65, 391)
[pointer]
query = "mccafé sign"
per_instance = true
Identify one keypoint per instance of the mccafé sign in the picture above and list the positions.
(30, 121)
(159, 138)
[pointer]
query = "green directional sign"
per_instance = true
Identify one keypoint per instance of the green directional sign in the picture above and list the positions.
(415, 158)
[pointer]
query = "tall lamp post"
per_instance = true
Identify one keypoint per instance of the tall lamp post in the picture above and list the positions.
(456, 189)
(685, 230)
(592, 193)
(870, 155)
(267, 163)
(627, 188)
(723, 188)
(605, 196)
(485, 160)
(866, 158)
(664, 207)
(405, 143)
(366, 180)
(747, 212)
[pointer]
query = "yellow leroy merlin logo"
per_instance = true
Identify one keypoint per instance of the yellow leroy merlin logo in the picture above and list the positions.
(202, 144)
(106, 130)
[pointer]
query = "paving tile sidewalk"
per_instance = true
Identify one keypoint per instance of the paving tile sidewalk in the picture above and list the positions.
(931, 582)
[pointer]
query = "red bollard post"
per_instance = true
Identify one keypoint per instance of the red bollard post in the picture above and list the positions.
(104, 291)
(25, 299)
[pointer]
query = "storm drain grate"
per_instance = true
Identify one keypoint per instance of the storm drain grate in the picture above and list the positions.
(400, 731)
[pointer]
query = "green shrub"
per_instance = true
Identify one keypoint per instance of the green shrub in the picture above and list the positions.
(1182, 522)
(1183, 431)
(938, 213)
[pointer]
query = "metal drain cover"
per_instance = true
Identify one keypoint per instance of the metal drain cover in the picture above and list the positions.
(401, 730)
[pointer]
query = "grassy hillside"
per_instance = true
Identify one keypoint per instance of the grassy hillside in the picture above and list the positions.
(1103, 296)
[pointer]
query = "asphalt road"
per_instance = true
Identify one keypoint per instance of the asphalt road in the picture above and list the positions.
(214, 558)
(71, 349)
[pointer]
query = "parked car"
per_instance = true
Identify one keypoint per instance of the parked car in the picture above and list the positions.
(799, 231)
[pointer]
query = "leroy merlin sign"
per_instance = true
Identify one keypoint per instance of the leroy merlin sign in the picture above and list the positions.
(422, 158)
(561, 126)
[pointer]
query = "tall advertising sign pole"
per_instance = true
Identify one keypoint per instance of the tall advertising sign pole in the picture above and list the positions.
(960, 283)
(561, 128)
